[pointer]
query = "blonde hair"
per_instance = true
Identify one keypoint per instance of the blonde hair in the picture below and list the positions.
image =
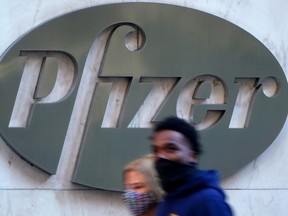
(145, 165)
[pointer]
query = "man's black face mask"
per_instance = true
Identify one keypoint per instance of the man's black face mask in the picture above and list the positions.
(173, 173)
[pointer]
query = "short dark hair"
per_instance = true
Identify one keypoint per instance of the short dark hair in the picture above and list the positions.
(177, 124)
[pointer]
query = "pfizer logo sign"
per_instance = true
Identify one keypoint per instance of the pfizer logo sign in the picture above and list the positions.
(105, 74)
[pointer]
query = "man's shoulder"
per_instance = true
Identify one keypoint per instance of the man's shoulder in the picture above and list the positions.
(209, 194)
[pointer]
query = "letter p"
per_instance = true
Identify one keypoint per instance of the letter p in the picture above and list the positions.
(26, 96)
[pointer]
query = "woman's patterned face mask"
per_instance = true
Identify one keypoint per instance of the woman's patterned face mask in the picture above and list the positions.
(138, 203)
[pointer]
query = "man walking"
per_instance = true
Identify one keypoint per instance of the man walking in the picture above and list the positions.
(189, 191)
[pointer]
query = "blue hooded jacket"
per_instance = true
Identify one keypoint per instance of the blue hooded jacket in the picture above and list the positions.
(199, 195)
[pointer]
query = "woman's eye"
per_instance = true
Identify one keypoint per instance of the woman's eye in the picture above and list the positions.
(138, 187)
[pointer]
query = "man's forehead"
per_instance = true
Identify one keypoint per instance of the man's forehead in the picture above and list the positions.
(166, 135)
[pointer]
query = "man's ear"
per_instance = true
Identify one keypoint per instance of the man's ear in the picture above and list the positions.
(193, 157)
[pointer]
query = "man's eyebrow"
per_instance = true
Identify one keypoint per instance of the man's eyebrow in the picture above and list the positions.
(171, 144)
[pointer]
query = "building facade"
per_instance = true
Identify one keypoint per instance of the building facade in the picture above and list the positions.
(259, 188)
